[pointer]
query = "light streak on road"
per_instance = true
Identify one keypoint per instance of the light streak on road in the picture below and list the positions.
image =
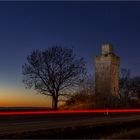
(69, 111)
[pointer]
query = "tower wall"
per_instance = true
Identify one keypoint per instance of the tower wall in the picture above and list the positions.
(107, 72)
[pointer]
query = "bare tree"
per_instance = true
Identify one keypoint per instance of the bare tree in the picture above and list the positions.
(135, 87)
(87, 86)
(129, 89)
(53, 71)
(84, 94)
(124, 82)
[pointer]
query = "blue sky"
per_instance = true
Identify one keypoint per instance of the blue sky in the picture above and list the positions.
(25, 26)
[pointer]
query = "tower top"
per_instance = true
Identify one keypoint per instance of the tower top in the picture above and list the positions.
(107, 49)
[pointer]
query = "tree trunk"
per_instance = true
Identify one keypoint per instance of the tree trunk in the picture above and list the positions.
(54, 103)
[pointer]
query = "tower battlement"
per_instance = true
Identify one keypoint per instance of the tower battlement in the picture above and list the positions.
(107, 49)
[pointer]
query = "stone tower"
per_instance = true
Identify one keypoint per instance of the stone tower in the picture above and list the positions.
(107, 73)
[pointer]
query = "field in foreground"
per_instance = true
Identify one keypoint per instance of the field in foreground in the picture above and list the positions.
(71, 126)
(129, 130)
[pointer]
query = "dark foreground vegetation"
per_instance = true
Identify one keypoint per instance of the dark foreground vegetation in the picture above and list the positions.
(107, 131)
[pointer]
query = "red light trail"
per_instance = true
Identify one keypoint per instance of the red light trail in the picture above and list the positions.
(69, 111)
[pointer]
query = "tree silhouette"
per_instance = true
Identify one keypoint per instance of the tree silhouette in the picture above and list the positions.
(125, 83)
(53, 71)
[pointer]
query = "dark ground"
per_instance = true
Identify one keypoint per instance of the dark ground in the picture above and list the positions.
(68, 125)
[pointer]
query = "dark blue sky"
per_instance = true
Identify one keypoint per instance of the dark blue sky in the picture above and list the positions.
(25, 26)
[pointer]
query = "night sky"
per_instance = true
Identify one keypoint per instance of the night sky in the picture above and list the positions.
(84, 26)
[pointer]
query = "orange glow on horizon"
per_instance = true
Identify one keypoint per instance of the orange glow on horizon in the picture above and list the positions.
(15, 97)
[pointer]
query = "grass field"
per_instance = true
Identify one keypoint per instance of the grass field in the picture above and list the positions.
(127, 130)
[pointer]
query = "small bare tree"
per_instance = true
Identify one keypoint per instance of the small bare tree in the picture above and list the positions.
(87, 86)
(84, 95)
(53, 71)
(124, 82)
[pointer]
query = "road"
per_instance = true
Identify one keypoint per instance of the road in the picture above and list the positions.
(22, 123)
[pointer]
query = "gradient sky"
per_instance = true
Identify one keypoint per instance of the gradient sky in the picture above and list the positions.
(25, 26)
